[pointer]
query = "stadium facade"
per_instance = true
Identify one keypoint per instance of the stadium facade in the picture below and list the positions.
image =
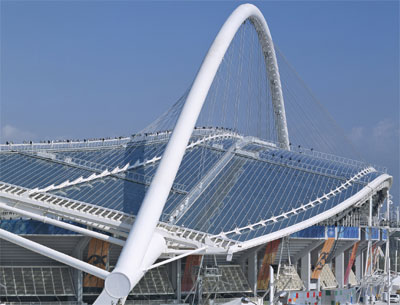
(190, 214)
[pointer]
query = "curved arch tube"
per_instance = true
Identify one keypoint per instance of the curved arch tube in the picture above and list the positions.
(141, 237)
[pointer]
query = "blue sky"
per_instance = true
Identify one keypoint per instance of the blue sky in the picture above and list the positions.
(95, 69)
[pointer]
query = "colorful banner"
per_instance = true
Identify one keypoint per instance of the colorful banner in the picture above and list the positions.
(192, 261)
(351, 262)
(269, 258)
(97, 255)
(326, 249)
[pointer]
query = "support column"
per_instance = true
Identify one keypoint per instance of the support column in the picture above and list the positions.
(242, 263)
(174, 274)
(306, 270)
(252, 272)
(395, 258)
(387, 257)
(359, 273)
(314, 256)
(78, 274)
(339, 269)
(271, 285)
(179, 280)
(369, 257)
(369, 251)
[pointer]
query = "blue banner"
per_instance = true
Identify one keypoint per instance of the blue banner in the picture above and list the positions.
(375, 233)
(384, 234)
(348, 232)
(310, 232)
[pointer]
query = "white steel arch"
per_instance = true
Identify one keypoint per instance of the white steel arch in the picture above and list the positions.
(136, 255)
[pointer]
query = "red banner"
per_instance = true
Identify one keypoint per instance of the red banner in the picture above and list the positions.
(191, 262)
(351, 262)
(373, 258)
(269, 257)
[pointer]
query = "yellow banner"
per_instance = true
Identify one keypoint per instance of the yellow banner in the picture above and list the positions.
(97, 255)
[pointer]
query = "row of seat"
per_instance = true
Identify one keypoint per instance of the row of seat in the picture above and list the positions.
(36, 281)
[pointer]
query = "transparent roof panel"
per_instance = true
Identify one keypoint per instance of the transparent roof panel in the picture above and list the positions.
(224, 182)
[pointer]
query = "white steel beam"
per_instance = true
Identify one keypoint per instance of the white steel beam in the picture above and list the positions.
(115, 226)
(62, 224)
(69, 212)
(56, 255)
(187, 253)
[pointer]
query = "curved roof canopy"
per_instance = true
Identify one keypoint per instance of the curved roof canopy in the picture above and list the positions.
(234, 187)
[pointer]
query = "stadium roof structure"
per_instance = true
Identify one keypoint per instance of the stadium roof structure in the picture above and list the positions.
(191, 189)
